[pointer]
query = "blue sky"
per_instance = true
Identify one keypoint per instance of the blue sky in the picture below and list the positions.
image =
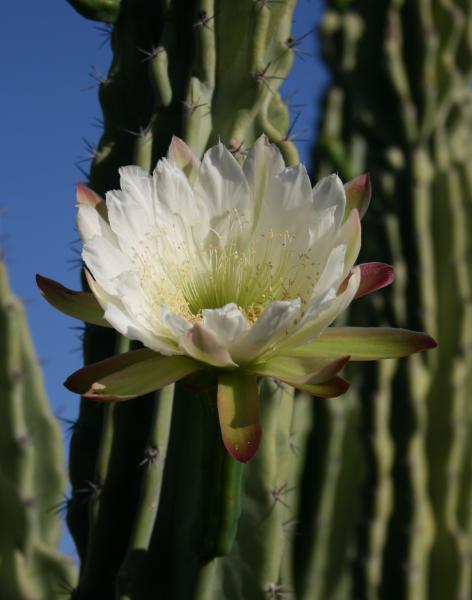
(48, 108)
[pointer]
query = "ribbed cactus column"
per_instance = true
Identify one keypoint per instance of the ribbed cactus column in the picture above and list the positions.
(32, 476)
(399, 106)
(148, 505)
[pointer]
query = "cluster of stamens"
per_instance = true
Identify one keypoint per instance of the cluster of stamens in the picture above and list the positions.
(250, 274)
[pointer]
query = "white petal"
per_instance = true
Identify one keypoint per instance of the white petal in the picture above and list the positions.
(333, 273)
(174, 195)
(321, 313)
(103, 297)
(221, 181)
(286, 209)
(290, 189)
(130, 219)
(201, 343)
(263, 162)
(267, 330)
(329, 195)
(183, 158)
(350, 235)
(105, 261)
(144, 313)
(227, 323)
(137, 182)
(90, 224)
(175, 323)
(127, 327)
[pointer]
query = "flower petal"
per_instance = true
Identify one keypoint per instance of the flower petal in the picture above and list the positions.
(290, 189)
(80, 305)
(350, 234)
(182, 219)
(130, 219)
(105, 261)
(267, 330)
(227, 323)
(263, 162)
(329, 194)
(92, 215)
(221, 182)
(183, 157)
(332, 272)
(128, 326)
(129, 375)
(366, 343)
(202, 344)
(238, 412)
(137, 182)
(358, 193)
(176, 324)
(87, 197)
(374, 276)
(319, 315)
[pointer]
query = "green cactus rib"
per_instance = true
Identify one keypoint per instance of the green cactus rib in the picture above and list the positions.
(32, 478)
(298, 438)
(314, 584)
(320, 540)
(267, 496)
(399, 107)
(380, 495)
(96, 520)
(153, 465)
(465, 380)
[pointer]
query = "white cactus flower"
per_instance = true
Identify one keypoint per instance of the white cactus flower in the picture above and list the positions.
(218, 266)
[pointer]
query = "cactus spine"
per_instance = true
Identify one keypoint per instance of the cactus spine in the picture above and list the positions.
(32, 477)
(399, 107)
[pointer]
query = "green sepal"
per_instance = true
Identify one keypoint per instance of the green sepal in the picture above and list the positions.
(366, 343)
(128, 375)
(79, 305)
(306, 369)
(315, 375)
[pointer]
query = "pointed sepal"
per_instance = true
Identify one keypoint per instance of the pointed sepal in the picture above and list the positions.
(366, 343)
(358, 193)
(332, 388)
(80, 305)
(315, 375)
(374, 276)
(238, 412)
(128, 375)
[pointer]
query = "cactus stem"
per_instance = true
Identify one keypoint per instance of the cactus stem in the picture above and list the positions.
(151, 485)
(230, 505)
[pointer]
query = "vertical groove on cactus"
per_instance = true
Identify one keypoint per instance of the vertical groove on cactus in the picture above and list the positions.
(327, 500)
